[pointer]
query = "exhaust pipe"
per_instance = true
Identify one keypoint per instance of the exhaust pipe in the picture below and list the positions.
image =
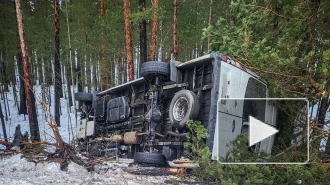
(172, 134)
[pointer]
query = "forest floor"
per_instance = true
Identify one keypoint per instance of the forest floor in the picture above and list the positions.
(16, 170)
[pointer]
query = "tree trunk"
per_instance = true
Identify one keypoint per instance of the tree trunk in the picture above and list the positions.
(49, 72)
(275, 24)
(31, 109)
(154, 30)
(128, 37)
(15, 92)
(40, 78)
(79, 77)
(69, 83)
(175, 31)
(324, 106)
(95, 76)
(104, 64)
(210, 16)
(3, 124)
(124, 67)
(143, 35)
(6, 74)
(119, 68)
(112, 63)
(57, 66)
(85, 74)
(73, 102)
(3, 97)
(22, 95)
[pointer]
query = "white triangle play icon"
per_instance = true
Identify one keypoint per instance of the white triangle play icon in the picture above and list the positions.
(259, 131)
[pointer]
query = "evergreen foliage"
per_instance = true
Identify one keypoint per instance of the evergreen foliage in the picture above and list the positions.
(213, 171)
(283, 41)
(86, 37)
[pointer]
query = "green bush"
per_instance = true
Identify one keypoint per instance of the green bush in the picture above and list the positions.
(213, 171)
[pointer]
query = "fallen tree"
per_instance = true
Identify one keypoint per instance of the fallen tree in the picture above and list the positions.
(35, 151)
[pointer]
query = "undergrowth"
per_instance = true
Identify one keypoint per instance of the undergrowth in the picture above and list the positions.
(212, 171)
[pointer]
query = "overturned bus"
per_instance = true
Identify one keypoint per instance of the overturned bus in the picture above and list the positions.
(145, 119)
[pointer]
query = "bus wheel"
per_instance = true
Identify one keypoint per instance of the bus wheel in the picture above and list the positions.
(150, 69)
(184, 106)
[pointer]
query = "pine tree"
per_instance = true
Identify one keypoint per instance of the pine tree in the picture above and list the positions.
(128, 38)
(175, 30)
(143, 34)
(30, 100)
(154, 30)
(57, 66)
(104, 72)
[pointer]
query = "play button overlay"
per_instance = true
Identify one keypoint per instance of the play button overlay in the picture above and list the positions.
(259, 131)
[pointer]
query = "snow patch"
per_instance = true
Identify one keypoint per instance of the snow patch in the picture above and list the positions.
(16, 163)
(49, 167)
(75, 168)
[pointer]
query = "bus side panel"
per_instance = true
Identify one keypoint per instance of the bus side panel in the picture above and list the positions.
(213, 106)
(227, 129)
(237, 84)
(270, 118)
(232, 84)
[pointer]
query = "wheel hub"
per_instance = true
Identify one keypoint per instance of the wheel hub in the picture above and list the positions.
(180, 108)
